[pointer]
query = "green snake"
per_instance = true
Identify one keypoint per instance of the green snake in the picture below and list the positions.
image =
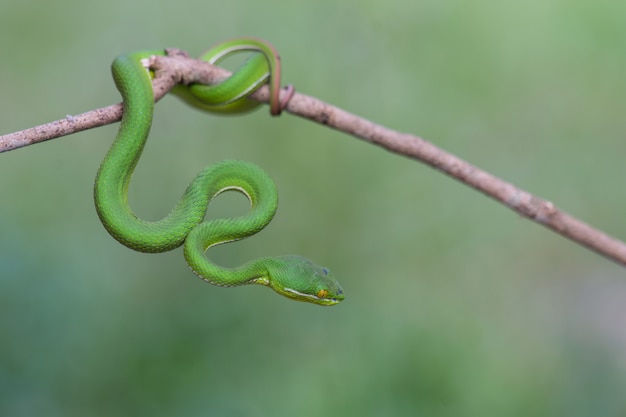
(292, 276)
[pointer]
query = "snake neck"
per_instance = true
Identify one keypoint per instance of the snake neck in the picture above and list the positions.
(254, 272)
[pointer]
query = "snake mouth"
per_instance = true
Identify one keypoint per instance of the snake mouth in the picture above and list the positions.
(300, 296)
(328, 301)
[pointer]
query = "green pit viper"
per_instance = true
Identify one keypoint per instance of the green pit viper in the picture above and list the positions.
(292, 276)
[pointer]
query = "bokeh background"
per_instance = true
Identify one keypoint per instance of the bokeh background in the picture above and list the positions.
(455, 305)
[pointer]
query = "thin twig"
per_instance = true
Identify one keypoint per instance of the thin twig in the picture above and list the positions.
(178, 68)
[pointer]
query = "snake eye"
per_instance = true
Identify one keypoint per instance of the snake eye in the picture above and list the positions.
(325, 271)
(322, 294)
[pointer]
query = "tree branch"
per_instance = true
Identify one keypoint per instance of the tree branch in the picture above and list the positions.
(178, 68)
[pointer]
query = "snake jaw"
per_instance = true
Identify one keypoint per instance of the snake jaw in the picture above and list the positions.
(311, 298)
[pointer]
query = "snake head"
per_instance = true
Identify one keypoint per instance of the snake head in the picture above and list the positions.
(300, 279)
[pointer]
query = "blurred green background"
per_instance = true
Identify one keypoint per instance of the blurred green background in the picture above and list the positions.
(455, 305)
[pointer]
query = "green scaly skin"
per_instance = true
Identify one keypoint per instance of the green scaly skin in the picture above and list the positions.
(292, 276)
(230, 96)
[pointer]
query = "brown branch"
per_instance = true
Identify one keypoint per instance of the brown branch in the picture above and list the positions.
(178, 68)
